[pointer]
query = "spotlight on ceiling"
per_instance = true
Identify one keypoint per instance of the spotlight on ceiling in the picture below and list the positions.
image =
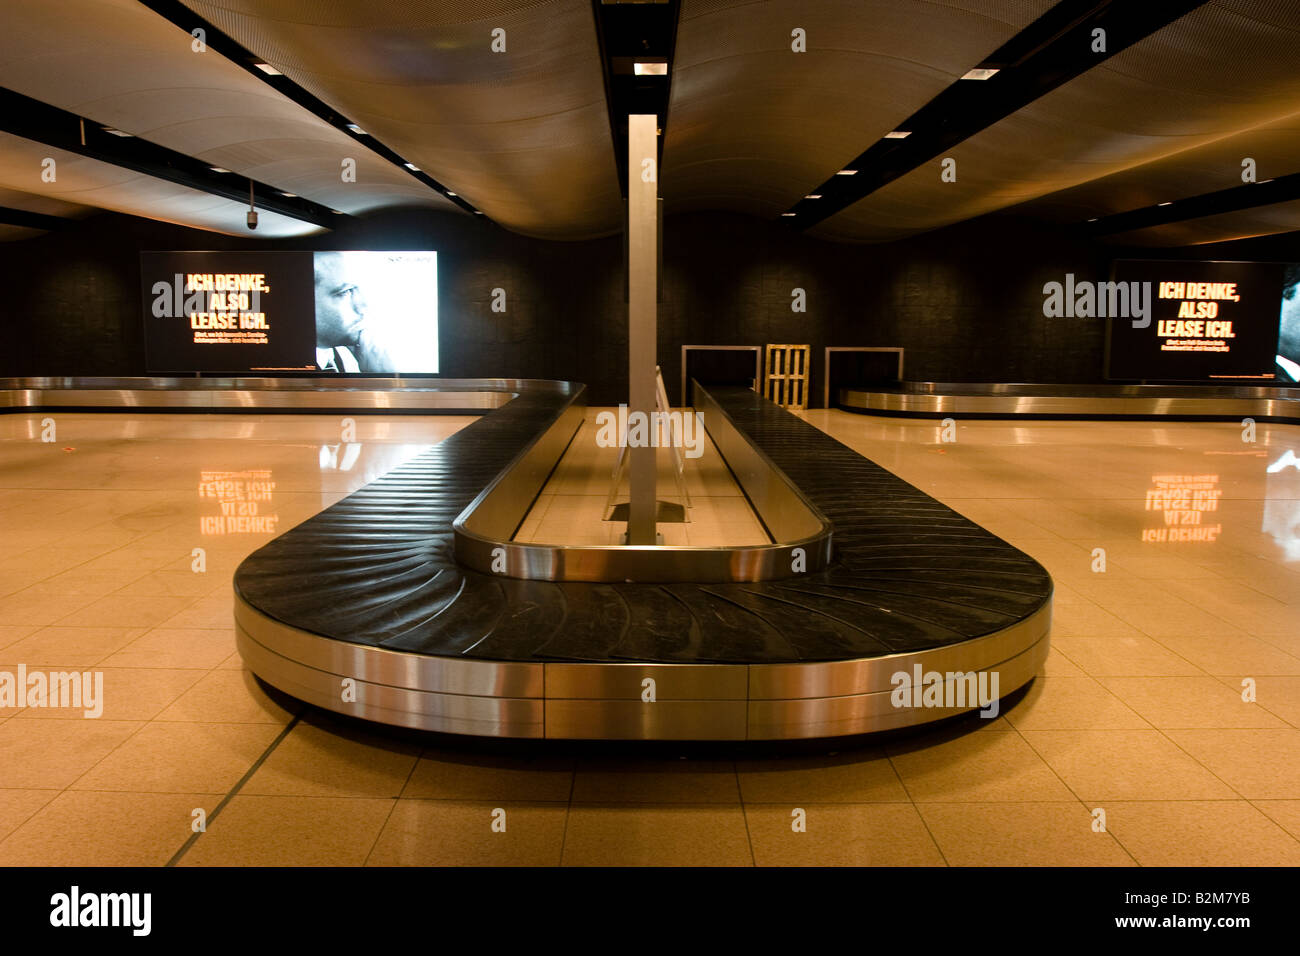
(218, 169)
(898, 134)
(813, 196)
(847, 172)
(1164, 204)
(289, 195)
(979, 73)
(354, 128)
(650, 69)
(787, 214)
(117, 132)
(450, 193)
(412, 167)
(268, 69)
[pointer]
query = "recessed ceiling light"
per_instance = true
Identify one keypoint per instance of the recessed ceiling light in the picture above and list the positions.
(289, 195)
(813, 196)
(353, 127)
(478, 212)
(1164, 204)
(412, 167)
(1263, 181)
(118, 132)
(1093, 219)
(787, 214)
(450, 193)
(218, 169)
(898, 134)
(847, 172)
(268, 69)
(979, 73)
(650, 69)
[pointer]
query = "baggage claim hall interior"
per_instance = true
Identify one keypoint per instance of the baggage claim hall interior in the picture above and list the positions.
(704, 432)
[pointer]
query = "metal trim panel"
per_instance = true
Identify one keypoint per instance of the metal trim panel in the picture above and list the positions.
(1085, 401)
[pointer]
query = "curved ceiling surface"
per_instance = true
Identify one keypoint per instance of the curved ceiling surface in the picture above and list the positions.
(754, 125)
(522, 134)
(90, 182)
(126, 67)
(1225, 67)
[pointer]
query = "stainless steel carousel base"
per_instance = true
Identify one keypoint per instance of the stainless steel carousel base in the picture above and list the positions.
(637, 701)
(1008, 400)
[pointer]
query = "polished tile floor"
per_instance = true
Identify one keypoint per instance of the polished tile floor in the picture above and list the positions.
(1139, 715)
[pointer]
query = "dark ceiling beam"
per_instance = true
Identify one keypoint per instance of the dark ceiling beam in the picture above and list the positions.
(631, 33)
(185, 18)
(1051, 51)
(32, 220)
(31, 119)
(1247, 196)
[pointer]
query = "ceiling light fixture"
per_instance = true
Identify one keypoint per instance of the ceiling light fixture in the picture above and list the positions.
(450, 193)
(353, 127)
(787, 214)
(813, 196)
(268, 69)
(847, 172)
(650, 69)
(118, 132)
(412, 167)
(979, 73)
(1164, 204)
(898, 134)
(218, 169)
(289, 195)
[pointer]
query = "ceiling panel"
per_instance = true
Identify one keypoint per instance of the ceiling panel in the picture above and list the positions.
(1225, 67)
(522, 134)
(753, 126)
(89, 182)
(127, 67)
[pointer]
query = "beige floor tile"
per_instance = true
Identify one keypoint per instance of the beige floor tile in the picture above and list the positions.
(1277, 695)
(1259, 764)
(334, 760)
(1225, 652)
(51, 754)
(82, 828)
(655, 781)
(1169, 702)
(838, 834)
(1285, 813)
(230, 696)
(1104, 765)
(461, 833)
(454, 775)
(642, 835)
(863, 776)
(17, 806)
(179, 758)
(1020, 834)
(1071, 703)
(10, 633)
(126, 610)
(200, 648)
(127, 694)
(1130, 655)
(974, 768)
(216, 611)
(291, 831)
(1201, 833)
(78, 647)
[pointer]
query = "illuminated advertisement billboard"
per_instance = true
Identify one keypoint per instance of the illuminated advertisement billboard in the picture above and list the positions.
(1204, 322)
(349, 312)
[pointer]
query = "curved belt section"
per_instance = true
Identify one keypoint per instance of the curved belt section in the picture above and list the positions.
(939, 399)
(592, 701)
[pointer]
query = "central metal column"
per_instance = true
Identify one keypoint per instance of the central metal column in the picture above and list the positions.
(642, 303)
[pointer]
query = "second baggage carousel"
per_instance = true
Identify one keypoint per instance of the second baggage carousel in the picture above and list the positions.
(915, 614)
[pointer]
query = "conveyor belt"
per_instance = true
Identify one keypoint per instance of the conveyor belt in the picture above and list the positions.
(909, 574)
(363, 609)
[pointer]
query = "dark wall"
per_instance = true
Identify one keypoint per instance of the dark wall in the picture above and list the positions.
(965, 302)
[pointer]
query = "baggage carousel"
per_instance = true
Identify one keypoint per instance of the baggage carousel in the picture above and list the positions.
(372, 608)
(407, 602)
